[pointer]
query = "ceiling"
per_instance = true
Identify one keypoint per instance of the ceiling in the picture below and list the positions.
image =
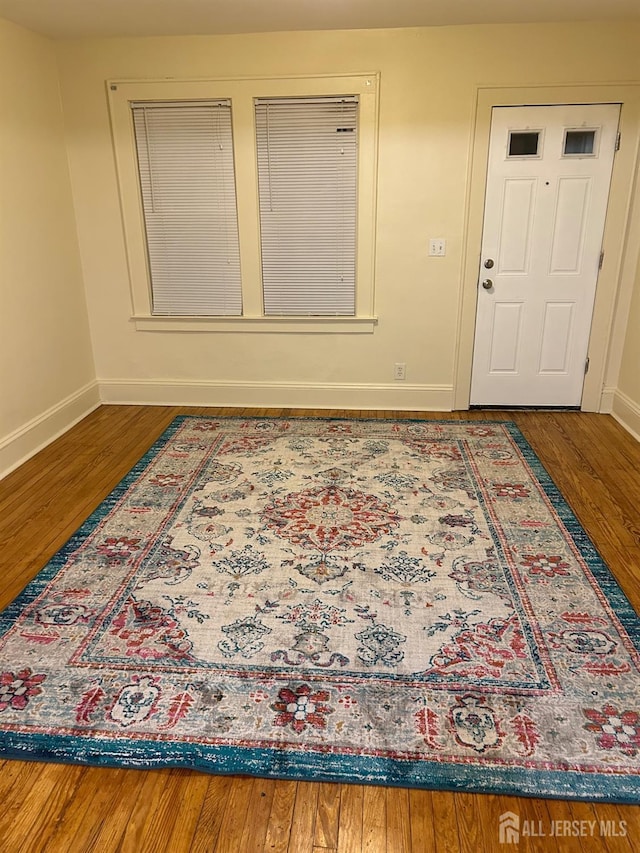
(86, 18)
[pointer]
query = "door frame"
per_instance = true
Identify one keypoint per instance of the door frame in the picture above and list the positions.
(621, 242)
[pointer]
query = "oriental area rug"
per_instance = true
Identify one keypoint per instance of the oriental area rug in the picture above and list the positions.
(394, 602)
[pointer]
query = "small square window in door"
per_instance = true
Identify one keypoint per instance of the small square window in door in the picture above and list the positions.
(579, 143)
(524, 143)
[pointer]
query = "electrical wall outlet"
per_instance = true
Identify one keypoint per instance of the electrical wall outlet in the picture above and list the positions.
(437, 247)
(399, 370)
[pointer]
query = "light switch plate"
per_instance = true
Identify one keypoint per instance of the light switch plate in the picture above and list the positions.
(437, 247)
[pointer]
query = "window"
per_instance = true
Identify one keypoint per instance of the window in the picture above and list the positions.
(579, 143)
(249, 205)
(307, 167)
(524, 143)
(187, 183)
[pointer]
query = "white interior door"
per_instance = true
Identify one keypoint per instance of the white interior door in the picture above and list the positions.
(546, 201)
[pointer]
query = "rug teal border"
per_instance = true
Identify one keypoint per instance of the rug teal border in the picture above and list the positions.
(325, 767)
(332, 766)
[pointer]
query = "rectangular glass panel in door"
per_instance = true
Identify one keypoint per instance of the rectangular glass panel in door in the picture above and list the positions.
(579, 143)
(523, 143)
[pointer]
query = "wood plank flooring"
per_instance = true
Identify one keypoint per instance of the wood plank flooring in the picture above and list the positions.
(48, 807)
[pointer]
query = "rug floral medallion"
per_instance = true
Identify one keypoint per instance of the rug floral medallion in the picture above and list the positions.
(406, 603)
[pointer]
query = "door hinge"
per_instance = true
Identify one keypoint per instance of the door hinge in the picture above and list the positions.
(586, 366)
(618, 141)
(601, 261)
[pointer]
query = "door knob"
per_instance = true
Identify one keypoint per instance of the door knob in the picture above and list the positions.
(487, 284)
(488, 263)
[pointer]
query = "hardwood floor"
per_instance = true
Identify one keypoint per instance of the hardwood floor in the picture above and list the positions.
(48, 807)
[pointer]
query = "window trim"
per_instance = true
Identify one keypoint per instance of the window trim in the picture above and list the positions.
(242, 93)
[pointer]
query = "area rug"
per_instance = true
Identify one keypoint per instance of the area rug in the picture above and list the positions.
(404, 603)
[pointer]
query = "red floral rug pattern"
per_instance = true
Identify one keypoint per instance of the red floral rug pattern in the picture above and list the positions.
(401, 602)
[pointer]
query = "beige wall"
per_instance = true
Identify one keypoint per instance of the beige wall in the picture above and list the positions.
(629, 381)
(428, 83)
(45, 352)
(627, 399)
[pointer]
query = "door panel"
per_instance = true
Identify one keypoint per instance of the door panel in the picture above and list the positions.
(516, 226)
(556, 335)
(548, 181)
(506, 337)
(569, 226)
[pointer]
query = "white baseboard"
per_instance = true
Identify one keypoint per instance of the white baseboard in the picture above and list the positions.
(606, 401)
(40, 431)
(397, 395)
(627, 412)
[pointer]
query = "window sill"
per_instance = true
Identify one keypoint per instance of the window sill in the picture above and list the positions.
(291, 325)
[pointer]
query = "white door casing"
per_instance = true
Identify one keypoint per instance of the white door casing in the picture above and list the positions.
(548, 181)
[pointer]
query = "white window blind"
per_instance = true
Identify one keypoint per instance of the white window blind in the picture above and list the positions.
(307, 181)
(185, 160)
